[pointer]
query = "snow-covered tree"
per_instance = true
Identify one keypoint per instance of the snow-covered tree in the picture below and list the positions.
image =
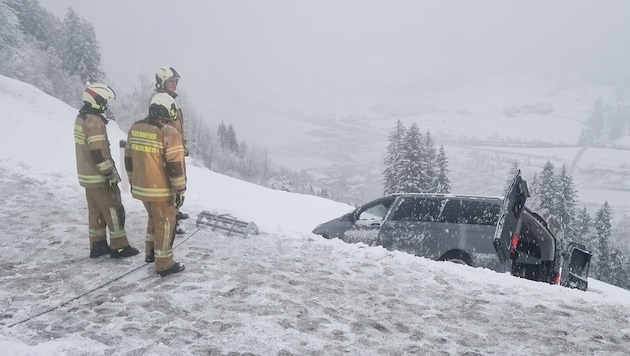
(411, 177)
(30, 49)
(428, 164)
(393, 160)
(34, 20)
(583, 228)
(222, 134)
(443, 184)
(602, 230)
(232, 142)
(227, 138)
(619, 270)
(621, 233)
(80, 50)
(413, 164)
(565, 205)
(12, 40)
(545, 189)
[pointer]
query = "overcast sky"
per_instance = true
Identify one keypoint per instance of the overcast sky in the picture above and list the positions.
(309, 50)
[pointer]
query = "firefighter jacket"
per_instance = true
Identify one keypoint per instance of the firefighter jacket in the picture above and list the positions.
(154, 160)
(94, 161)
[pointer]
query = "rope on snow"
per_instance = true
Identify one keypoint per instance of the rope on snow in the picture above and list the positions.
(95, 288)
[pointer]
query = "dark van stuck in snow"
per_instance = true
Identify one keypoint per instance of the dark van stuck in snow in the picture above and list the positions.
(467, 229)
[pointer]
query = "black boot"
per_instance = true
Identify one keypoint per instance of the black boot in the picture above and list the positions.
(176, 268)
(126, 251)
(179, 229)
(150, 258)
(181, 216)
(99, 249)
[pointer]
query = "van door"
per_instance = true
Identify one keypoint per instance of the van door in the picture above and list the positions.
(367, 221)
(411, 223)
(506, 233)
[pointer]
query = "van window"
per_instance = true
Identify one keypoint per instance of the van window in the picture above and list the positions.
(419, 209)
(376, 210)
(450, 210)
(473, 212)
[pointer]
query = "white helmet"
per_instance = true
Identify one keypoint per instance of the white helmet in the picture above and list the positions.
(163, 74)
(97, 95)
(163, 105)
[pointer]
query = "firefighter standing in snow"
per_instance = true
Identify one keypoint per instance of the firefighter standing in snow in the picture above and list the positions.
(166, 79)
(98, 175)
(154, 161)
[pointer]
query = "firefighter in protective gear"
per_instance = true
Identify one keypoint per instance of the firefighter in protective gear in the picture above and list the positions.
(155, 165)
(166, 80)
(98, 175)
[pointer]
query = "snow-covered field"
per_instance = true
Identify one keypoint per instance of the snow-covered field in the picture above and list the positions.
(282, 292)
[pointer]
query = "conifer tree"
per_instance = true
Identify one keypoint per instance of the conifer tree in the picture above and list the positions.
(546, 191)
(621, 233)
(80, 50)
(227, 138)
(222, 135)
(443, 183)
(393, 160)
(12, 40)
(619, 271)
(566, 204)
(602, 229)
(583, 229)
(34, 20)
(411, 164)
(428, 165)
(30, 48)
(231, 141)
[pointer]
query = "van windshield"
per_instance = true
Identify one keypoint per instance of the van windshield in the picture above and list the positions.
(447, 210)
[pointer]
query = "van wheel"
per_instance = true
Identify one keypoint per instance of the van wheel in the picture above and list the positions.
(457, 260)
(457, 257)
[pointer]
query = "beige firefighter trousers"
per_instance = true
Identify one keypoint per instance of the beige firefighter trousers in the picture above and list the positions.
(161, 232)
(105, 210)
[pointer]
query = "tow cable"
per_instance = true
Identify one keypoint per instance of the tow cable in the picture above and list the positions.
(97, 287)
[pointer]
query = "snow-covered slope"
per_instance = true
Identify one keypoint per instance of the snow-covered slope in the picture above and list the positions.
(282, 292)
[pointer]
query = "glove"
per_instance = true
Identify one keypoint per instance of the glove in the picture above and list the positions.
(112, 181)
(186, 151)
(179, 199)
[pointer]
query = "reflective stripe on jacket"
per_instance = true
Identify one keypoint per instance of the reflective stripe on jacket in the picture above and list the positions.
(94, 161)
(154, 160)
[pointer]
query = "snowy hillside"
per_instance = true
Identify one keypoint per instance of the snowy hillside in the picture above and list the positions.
(282, 292)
